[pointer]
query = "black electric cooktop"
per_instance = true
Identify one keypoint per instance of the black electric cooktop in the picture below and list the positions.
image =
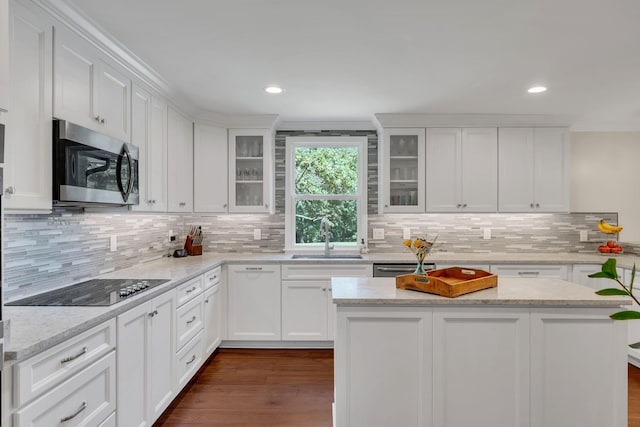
(96, 292)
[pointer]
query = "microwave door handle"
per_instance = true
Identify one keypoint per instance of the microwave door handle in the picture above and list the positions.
(105, 167)
(125, 192)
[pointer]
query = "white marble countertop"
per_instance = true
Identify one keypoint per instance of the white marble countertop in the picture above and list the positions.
(509, 292)
(34, 329)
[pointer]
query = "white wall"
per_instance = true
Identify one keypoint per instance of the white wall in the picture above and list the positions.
(605, 177)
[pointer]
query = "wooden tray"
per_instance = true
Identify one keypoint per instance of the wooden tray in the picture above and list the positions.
(448, 282)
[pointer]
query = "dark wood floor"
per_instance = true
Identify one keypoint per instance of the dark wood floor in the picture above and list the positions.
(257, 388)
(278, 388)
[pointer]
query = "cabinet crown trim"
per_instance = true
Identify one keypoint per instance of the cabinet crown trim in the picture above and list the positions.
(473, 120)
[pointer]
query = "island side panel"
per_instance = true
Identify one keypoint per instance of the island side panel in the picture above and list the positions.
(578, 368)
(383, 367)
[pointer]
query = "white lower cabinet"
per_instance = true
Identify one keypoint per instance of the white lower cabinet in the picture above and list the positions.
(213, 320)
(530, 271)
(254, 302)
(189, 321)
(189, 359)
(581, 272)
(146, 360)
(85, 399)
(308, 311)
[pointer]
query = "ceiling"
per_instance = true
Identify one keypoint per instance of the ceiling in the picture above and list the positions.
(349, 59)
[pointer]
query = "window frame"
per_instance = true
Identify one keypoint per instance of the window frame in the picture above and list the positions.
(293, 142)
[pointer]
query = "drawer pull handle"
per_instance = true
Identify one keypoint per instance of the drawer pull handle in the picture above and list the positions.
(153, 313)
(71, 358)
(212, 278)
(75, 414)
(253, 268)
(193, 319)
(529, 273)
(193, 359)
(191, 290)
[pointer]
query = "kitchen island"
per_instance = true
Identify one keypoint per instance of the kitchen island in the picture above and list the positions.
(531, 352)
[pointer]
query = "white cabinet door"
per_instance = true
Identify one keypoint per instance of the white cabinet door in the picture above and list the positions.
(444, 186)
(250, 171)
(146, 354)
(180, 165)
(403, 175)
(560, 372)
(462, 171)
(499, 392)
(304, 310)
(111, 102)
(212, 319)
(4, 55)
(141, 138)
(581, 272)
(479, 169)
(89, 90)
(551, 156)
(210, 166)
(157, 157)
(533, 170)
(75, 68)
(28, 161)
(515, 175)
(254, 302)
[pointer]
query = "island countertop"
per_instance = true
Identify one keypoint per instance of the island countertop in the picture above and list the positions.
(509, 292)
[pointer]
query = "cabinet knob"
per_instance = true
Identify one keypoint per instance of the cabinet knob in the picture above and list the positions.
(10, 189)
(458, 205)
(531, 205)
(102, 120)
(182, 204)
(266, 205)
(149, 202)
(464, 205)
(97, 118)
(153, 201)
(224, 206)
(386, 206)
(537, 205)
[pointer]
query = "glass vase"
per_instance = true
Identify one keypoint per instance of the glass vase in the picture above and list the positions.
(420, 269)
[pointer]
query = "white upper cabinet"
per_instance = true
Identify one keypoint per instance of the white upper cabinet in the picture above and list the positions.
(210, 169)
(4, 55)
(88, 90)
(148, 133)
(533, 170)
(28, 148)
(461, 170)
(250, 171)
(180, 162)
(404, 175)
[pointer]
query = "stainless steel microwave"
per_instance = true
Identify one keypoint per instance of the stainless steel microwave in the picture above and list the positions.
(91, 169)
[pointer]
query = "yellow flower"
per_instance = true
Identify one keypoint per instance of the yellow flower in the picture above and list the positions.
(407, 243)
(417, 243)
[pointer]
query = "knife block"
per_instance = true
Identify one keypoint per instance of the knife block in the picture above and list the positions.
(191, 248)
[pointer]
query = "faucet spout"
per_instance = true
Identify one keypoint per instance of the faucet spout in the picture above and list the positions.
(325, 231)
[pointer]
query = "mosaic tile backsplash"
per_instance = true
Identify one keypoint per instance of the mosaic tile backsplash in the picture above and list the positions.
(43, 252)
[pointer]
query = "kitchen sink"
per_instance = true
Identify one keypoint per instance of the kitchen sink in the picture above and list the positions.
(332, 256)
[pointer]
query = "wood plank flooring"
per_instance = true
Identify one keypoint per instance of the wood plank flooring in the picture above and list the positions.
(283, 388)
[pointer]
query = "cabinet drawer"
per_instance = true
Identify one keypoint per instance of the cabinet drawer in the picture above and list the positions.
(319, 272)
(189, 321)
(212, 277)
(85, 399)
(38, 374)
(109, 422)
(531, 271)
(189, 290)
(189, 360)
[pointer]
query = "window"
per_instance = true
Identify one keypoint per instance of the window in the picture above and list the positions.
(325, 178)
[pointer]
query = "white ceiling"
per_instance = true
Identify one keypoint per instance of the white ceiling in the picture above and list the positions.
(349, 59)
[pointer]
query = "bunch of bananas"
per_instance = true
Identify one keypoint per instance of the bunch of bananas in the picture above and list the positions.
(607, 228)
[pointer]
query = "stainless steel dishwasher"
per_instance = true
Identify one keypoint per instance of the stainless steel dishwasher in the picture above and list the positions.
(393, 269)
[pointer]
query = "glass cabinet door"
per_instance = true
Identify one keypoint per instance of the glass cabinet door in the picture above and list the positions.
(250, 161)
(404, 170)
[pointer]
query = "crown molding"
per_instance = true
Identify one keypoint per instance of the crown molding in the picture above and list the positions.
(326, 125)
(232, 121)
(472, 120)
(84, 26)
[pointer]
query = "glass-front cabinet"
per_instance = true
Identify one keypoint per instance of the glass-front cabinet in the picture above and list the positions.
(404, 174)
(250, 170)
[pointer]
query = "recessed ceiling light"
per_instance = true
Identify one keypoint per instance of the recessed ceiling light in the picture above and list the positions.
(537, 89)
(273, 89)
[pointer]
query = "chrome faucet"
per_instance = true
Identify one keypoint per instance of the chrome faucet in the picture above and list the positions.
(325, 231)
